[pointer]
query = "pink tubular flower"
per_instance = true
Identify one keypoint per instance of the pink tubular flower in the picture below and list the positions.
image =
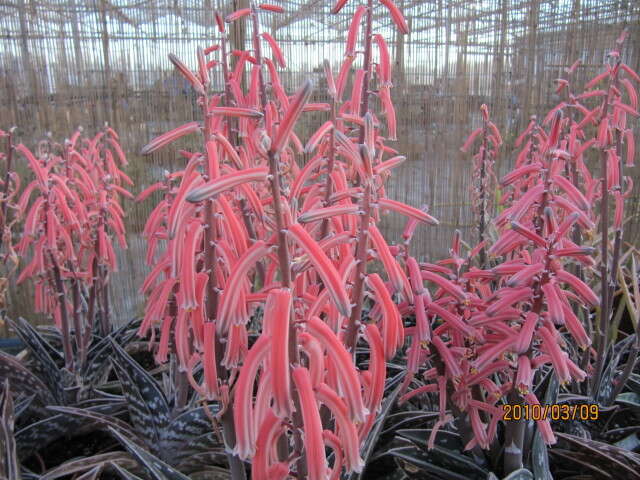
(313, 350)
(232, 302)
(478, 427)
(241, 112)
(325, 268)
(575, 327)
(385, 62)
(492, 352)
(389, 111)
(525, 202)
(569, 207)
(338, 6)
(447, 357)
(442, 421)
(333, 442)
(446, 285)
(507, 298)
(566, 225)
(524, 376)
(543, 425)
(211, 48)
(271, 8)
(485, 373)
(554, 304)
(268, 433)
(397, 16)
(331, 86)
(377, 367)
(453, 321)
(506, 243)
(356, 92)
(227, 182)
(523, 341)
(347, 374)
(313, 441)
(407, 210)
(188, 74)
(626, 108)
(156, 304)
(236, 229)
(315, 107)
(346, 429)
(291, 116)
(229, 150)
(631, 148)
(243, 410)
(415, 276)
(203, 71)
(422, 323)
(232, 17)
(525, 275)
(384, 255)
(431, 387)
(576, 372)
(341, 81)
(180, 211)
(317, 136)
(39, 171)
(527, 233)
(279, 471)
(574, 194)
(518, 173)
(187, 267)
(391, 323)
(52, 235)
(275, 48)
(354, 28)
(276, 313)
(326, 212)
(632, 73)
(236, 346)
(388, 165)
(181, 335)
(558, 357)
(263, 397)
(163, 346)
(578, 286)
(469, 141)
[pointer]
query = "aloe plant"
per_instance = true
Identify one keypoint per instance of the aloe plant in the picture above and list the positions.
(159, 429)
(152, 425)
(43, 380)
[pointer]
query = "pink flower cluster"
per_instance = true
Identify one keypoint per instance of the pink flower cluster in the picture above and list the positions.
(70, 227)
(256, 245)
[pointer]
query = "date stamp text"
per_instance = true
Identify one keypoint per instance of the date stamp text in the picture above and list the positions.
(555, 412)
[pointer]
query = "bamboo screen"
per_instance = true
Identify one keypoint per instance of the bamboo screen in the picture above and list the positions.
(65, 63)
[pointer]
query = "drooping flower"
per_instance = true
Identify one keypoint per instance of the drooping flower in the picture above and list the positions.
(313, 440)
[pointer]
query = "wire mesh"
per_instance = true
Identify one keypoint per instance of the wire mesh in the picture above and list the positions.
(65, 63)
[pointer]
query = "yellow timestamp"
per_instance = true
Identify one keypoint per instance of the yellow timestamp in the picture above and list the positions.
(555, 412)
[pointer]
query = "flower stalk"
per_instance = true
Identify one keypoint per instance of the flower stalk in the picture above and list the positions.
(362, 245)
